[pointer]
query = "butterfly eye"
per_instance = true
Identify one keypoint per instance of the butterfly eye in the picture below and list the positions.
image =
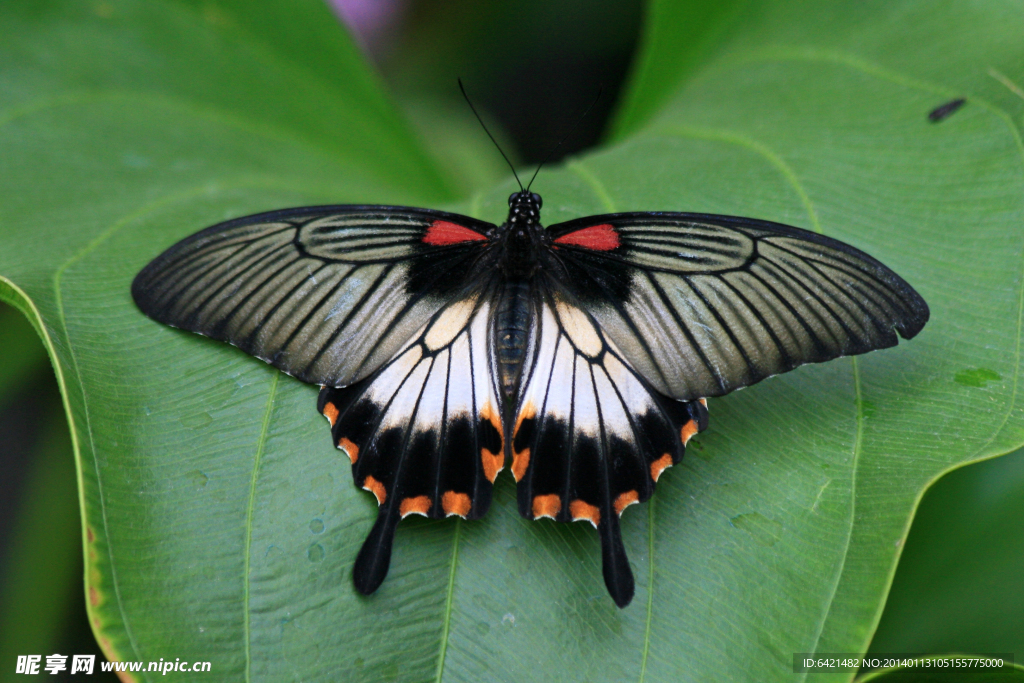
(512, 198)
(536, 197)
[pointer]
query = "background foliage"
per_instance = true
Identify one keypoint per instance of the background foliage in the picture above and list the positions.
(218, 522)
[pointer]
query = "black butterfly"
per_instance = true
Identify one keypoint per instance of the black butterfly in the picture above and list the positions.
(448, 347)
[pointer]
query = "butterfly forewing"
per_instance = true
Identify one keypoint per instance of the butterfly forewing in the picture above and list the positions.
(702, 305)
(326, 294)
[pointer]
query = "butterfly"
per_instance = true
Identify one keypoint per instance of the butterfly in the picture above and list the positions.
(580, 355)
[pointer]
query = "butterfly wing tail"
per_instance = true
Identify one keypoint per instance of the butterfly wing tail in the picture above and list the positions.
(374, 557)
(618, 576)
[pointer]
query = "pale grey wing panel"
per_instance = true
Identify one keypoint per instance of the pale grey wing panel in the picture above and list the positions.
(326, 294)
(702, 305)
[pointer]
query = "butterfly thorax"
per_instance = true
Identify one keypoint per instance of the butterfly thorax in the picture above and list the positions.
(520, 237)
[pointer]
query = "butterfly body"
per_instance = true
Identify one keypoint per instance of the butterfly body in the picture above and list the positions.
(578, 355)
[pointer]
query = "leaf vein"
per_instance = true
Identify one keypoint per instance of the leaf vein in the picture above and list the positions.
(261, 444)
(446, 624)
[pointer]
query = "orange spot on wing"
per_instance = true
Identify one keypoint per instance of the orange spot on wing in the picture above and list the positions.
(625, 500)
(376, 488)
(492, 462)
(528, 412)
(596, 237)
(488, 413)
(660, 465)
(703, 402)
(350, 448)
(442, 233)
(688, 430)
(520, 461)
(419, 505)
(455, 504)
(331, 413)
(582, 510)
(547, 506)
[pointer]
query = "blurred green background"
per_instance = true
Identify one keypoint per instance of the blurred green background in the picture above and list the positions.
(531, 67)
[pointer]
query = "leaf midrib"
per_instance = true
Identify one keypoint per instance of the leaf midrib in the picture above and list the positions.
(249, 509)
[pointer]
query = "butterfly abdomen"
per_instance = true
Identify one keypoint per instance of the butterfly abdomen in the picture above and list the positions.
(511, 333)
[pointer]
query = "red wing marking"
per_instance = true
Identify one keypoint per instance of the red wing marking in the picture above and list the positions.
(442, 233)
(582, 510)
(547, 506)
(455, 504)
(660, 465)
(419, 505)
(625, 500)
(376, 488)
(350, 448)
(596, 237)
(688, 430)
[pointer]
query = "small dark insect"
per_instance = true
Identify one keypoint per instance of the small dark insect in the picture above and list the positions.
(945, 110)
(580, 354)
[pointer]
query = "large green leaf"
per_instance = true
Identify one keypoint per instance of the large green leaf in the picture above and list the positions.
(957, 587)
(220, 523)
(960, 48)
(963, 668)
(22, 353)
(38, 567)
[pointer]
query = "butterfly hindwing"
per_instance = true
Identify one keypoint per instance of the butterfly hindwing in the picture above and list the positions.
(591, 437)
(424, 432)
(326, 294)
(702, 305)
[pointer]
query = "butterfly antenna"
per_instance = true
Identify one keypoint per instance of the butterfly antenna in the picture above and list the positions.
(482, 125)
(566, 137)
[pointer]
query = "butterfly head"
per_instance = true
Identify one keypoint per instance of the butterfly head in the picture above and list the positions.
(522, 233)
(524, 209)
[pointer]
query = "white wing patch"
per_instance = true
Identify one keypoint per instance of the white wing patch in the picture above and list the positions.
(579, 377)
(448, 324)
(580, 329)
(443, 373)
